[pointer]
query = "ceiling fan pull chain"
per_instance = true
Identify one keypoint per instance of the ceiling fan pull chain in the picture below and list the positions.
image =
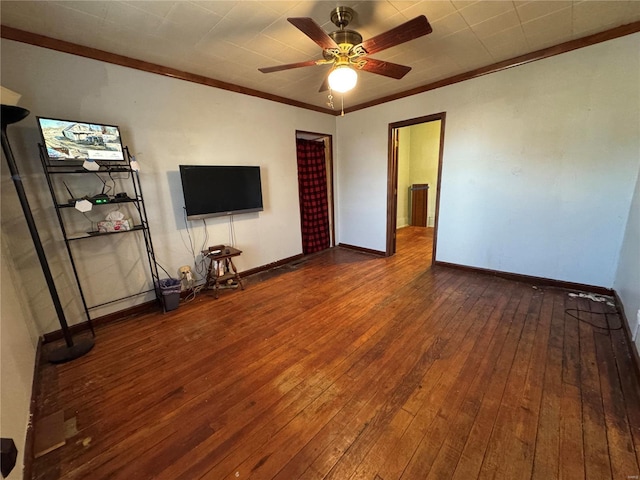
(330, 100)
(342, 113)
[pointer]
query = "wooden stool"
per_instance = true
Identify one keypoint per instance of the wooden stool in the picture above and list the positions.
(221, 256)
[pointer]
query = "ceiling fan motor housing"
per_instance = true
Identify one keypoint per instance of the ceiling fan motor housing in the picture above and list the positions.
(341, 16)
(346, 39)
(350, 37)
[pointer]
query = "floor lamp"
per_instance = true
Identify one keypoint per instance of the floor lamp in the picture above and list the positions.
(71, 350)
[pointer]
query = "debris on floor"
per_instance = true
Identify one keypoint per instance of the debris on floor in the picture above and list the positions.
(593, 298)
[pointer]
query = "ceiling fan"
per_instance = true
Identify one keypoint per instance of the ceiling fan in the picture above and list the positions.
(345, 50)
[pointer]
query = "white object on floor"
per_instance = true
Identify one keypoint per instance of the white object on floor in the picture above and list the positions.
(593, 298)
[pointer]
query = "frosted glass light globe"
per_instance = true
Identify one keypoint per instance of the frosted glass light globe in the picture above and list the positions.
(343, 79)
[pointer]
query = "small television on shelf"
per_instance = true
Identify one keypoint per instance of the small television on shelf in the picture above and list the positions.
(219, 190)
(71, 140)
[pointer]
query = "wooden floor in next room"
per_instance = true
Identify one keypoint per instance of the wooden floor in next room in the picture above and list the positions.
(350, 366)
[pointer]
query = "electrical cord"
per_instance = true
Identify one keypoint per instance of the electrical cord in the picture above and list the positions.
(164, 270)
(194, 292)
(205, 241)
(123, 176)
(113, 182)
(105, 188)
(191, 246)
(94, 225)
(578, 311)
(200, 265)
(232, 232)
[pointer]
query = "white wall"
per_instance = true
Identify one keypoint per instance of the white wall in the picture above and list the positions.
(18, 342)
(538, 170)
(627, 282)
(165, 122)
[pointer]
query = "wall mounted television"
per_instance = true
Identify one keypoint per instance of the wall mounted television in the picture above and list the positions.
(219, 190)
(70, 140)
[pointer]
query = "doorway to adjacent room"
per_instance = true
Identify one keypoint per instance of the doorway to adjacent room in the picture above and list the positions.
(314, 153)
(414, 174)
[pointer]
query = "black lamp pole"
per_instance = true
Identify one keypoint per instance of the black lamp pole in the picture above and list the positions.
(12, 114)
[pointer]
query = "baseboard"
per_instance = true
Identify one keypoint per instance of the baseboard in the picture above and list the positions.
(27, 458)
(547, 282)
(271, 265)
(369, 251)
(111, 317)
(627, 331)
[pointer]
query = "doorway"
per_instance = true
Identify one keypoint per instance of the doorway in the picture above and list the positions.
(414, 175)
(314, 152)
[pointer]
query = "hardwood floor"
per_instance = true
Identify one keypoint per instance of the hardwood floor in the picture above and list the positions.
(350, 366)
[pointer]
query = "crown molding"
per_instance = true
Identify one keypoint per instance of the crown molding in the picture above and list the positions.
(11, 33)
(510, 63)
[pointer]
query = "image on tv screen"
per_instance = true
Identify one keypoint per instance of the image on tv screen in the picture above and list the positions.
(68, 140)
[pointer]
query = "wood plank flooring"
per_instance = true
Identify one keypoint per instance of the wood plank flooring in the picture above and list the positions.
(348, 366)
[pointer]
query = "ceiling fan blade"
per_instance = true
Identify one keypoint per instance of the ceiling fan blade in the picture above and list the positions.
(410, 30)
(387, 69)
(312, 30)
(288, 66)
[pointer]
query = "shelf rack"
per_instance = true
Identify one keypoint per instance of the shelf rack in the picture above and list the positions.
(56, 168)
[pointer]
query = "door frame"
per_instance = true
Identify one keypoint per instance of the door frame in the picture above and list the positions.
(392, 180)
(330, 190)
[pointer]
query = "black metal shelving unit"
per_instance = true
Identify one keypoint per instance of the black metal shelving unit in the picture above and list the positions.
(58, 168)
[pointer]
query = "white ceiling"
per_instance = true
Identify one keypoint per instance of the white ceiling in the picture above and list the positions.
(229, 40)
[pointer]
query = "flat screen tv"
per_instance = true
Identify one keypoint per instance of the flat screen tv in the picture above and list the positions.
(70, 140)
(218, 190)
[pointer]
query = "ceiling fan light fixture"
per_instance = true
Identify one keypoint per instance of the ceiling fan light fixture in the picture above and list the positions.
(345, 51)
(343, 78)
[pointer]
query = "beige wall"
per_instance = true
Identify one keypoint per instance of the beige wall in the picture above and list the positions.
(404, 177)
(418, 151)
(425, 147)
(627, 282)
(18, 342)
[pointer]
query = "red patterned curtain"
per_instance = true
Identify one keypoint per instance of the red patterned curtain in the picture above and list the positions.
(314, 208)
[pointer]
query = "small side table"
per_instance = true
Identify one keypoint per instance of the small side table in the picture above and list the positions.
(221, 267)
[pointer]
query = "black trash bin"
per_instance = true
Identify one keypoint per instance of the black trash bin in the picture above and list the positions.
(170, 289)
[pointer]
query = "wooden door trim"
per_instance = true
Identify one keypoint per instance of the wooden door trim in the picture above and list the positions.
(392, 194)
(392, 180)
